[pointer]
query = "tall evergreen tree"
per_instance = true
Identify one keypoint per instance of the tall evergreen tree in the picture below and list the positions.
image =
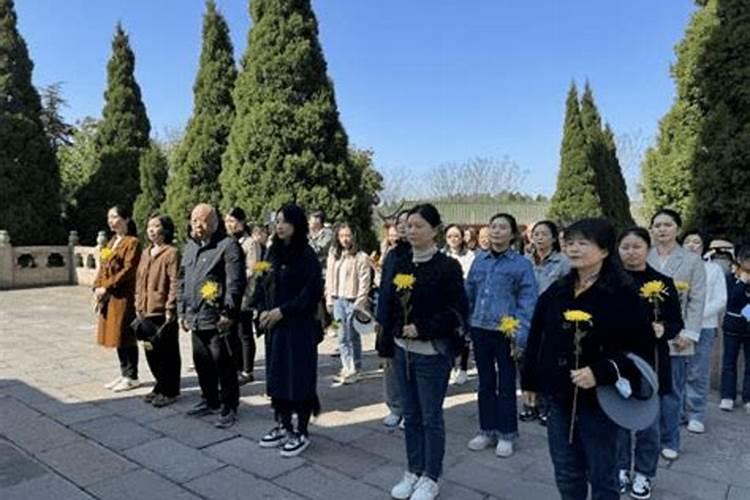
(619, 203)
(29, 175)
(121, 136)
(576, 194)
(153, 178)
(287, 142)
(197, 161)
(668, 166)
(722, 164)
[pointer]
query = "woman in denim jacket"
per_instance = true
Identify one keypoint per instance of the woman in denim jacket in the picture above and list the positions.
(501, 283)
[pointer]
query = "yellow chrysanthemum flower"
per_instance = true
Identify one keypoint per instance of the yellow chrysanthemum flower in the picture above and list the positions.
(577, 316)
(106, 254)
(654, 290)
(682, 286)
(261, 267)
(509, 326)
(404, 281)
(210, 291)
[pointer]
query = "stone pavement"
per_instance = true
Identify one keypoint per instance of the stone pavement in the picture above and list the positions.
(63, 436)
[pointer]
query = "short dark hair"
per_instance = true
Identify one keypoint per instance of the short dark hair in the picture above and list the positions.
(638, 231)
(601, 232)
(673, 214)
(428, 212)
(552, 229)
(237, 213)
(320, 215)
(167, 226)
(511, 220)
(700, 234)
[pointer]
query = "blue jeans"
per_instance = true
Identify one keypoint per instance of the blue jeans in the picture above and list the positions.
(672, 403)
(391, 389)
(698, 377)
(590, 459)
(645, 457)
(497, 384)
(732, 346)
(350, 343)
(423, 381)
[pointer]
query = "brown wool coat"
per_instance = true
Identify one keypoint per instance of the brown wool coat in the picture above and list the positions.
(117, 275)
(156, 282)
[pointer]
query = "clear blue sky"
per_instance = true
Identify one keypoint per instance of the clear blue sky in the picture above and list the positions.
(421, 82)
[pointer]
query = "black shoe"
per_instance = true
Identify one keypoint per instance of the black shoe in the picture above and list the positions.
(161, 401)
(245, 378)
(227, 419)
(201, 409)
(274, 438)
(295, 444)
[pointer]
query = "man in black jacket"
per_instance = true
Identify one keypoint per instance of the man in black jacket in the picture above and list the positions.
(212, 281)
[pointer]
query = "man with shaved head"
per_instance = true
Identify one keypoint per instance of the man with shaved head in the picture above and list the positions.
(209, 298)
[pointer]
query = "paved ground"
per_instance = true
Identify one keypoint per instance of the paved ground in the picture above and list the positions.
(62, 436)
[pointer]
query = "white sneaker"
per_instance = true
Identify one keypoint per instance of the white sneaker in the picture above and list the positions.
(747, 407)
(126, 384)
(407, 485)
(392, 420)
(116, 381)
(669, 454)
(696, 427)
(481, 441)
(426, 489)
(460, 378)
(504, 449)
(726, 404)
(641, 489)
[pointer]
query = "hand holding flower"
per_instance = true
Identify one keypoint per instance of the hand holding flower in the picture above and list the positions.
(658, 329)
(409, 331)
(583, 378)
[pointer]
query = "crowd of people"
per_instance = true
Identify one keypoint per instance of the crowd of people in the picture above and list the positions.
(609, 336)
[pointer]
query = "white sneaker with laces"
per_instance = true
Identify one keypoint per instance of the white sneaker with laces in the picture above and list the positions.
(392, 420)
(696, 427)
(426, 489)
(669, 454)
(111, 385)
(404, 489)
(726, 405)
(504, 449)
(641, 489)
(481, 441)
(747, 407)
(126, 384)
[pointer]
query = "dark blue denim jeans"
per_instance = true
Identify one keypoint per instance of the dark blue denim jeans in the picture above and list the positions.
(732, 346)
(423, 381)
(497, 384)
(645, 457)
(591, 459)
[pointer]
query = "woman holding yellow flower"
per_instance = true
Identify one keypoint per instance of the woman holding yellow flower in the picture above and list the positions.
(582, 327)
(689, 275)
(662, 306)
(114, 290)
(427, 307)
(502, 292)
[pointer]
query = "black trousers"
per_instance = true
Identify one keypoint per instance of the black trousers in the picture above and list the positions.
(243, 342)
(285, 410)
(215, 366)
(164, 359)
(128, 357)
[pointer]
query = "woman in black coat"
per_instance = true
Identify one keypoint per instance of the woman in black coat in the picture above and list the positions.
(596, 298)
(665, 315)
(288, 295)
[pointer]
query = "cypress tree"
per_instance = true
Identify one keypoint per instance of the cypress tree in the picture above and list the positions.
(29, 175)
(668, 166)
(153, 178)
(722, 164)
(619, 203)
(576, 194)
(197, 160)
(121, 136)
(287, 143)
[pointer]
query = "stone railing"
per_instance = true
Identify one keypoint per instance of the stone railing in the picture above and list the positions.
(36, 266)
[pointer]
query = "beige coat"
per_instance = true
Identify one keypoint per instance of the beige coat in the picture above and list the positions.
(117, 275)
(357, 278)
